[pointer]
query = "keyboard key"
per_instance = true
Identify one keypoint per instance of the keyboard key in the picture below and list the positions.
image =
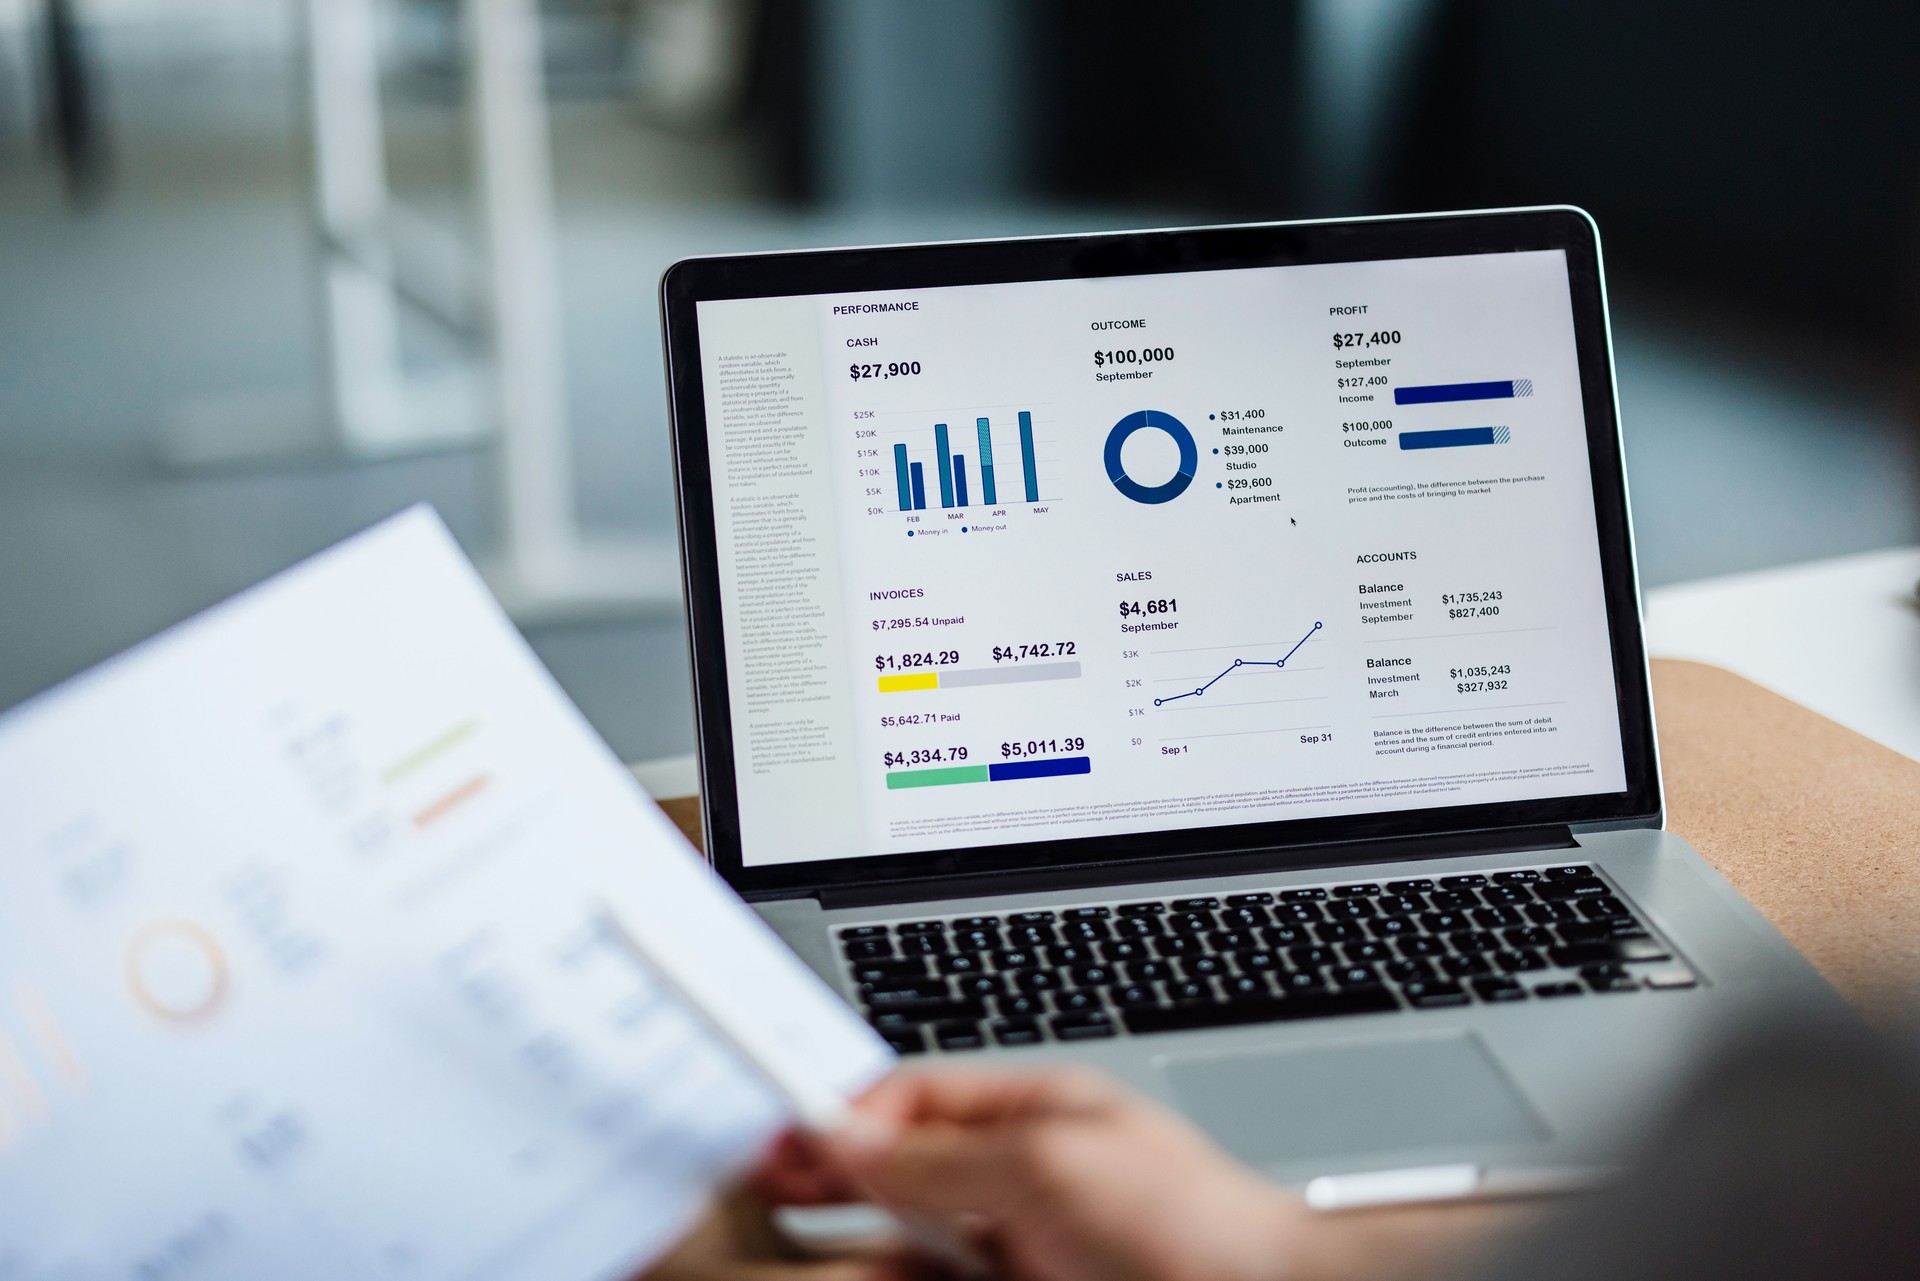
(864, 932)
(979, 985)
(1189, 991)
(1024, 1006)
(1138, 927)
(1494, 918)
(911, 967)
(1283, 935)
(959, 963)
(1420, 946)
(1367, 953)
(1575, 955)
(1076, 1001)
(1124, 950)
(978, 940)
(1506, 895)
(1393, 927)
(897, 990)
(1033, 936)
(871, 949)
(1336, 932)
(1087, 931)
(1016, 958)
(1301, 981)
(1203, 966)
(1473, 941)
(1246, 917)
(959, 1036)
(1143, 909)
(1462, 967)
(1299, 913)
(1351, 909)
(1528, 936)
(1517, 960)
(1355, 975)
(1408, 971)
(1136, 994)
(1017, 1032)
(1029, 918)
(1609, 978)
(1071, 954)
(930, 944)
(1420, 886)
(1309, 1005)
(1444, 922)
(1605, 907)
(1083, 1027)
(905, 1040)
(975, 923)
(1525, 876)
(1560, 891)
(1249, 900)
(1178, 945)
(1230, 940)
(1547, 991)
(1356, 891)
(1088, 913)
(1402, 904)
(1192, 922)
(902, 1012)
(1471, 881)
(1578, 872)
(1149, 971)
(1669, 978)
(1311, 957)
(1452, 900)
(1548, 913)
(1092, 976)
(1498, 988)
(1195, 904)
(1246, 987)
(921, 927)
(1435, 994)
(1302, 896)
(1249, 962)
(1036, 980)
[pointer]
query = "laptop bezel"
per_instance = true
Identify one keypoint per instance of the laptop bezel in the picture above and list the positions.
(943, 264)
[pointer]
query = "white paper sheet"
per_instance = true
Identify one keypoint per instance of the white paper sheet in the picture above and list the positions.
(299, 968)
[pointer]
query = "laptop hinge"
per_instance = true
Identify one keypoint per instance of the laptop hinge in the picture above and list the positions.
(1292, 858)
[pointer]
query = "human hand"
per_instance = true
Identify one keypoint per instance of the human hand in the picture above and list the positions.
(1066, 1175)
(737, 1241)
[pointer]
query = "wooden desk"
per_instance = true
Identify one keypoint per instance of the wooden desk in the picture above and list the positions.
(1818, 826)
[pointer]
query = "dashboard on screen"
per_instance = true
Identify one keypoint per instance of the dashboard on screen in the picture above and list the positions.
(1059, 559)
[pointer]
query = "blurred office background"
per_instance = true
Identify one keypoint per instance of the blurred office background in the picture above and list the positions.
(1755, 169)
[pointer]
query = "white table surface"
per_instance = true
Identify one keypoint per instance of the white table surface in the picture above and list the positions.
(1840, 636)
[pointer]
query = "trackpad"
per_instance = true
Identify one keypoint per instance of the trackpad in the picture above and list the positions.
(1285, 1105)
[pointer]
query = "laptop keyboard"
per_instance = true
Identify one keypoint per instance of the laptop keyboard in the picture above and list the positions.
(1165, 965)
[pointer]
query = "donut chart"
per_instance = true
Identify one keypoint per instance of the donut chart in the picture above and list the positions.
(1152, 420)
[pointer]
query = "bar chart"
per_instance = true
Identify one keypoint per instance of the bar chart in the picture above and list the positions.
(955, 469)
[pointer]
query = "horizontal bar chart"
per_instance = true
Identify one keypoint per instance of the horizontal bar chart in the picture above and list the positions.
(1003, 772)
(961, 677)
(1446, 393)
(1454, 437)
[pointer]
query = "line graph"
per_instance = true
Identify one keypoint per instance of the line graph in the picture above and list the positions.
(1239, 663)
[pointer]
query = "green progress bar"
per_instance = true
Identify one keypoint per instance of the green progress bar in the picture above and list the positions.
(937, 777)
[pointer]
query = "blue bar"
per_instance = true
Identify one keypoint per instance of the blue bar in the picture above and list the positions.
(986, 465)
(946, 464)
(901, 479)
(959, 480)
(1457, 436)
(1441, 393)
(1008, 771)
(919, 488)
(1026, 457)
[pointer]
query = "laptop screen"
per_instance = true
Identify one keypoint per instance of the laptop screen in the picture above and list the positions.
(1071, 558)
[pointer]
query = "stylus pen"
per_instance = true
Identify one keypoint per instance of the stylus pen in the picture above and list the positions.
(818, 1109)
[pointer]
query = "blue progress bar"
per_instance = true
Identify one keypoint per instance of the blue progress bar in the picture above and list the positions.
(988, 493)
(959, 480)
(945, 459)
(919, 483)
(1057, 767)
(1457, 436)
(1441, 393)
(1027, 471)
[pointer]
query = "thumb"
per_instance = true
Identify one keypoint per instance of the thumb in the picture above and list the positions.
(931, 1167)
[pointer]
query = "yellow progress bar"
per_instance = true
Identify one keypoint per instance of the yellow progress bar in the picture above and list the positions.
(911, 680)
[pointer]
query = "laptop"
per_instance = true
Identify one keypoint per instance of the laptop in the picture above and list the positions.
(1212, 655)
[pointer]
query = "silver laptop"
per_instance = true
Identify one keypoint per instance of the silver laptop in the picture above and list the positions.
(1213, 655)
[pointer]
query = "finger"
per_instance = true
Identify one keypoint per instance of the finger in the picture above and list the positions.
(942, 1167)
(971, 1097)
(797, 1170)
